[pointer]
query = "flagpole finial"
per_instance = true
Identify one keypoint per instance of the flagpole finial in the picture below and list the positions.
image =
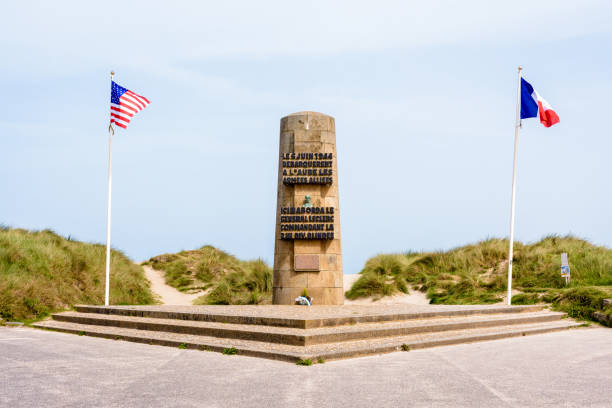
(520, 68)
(112, 75)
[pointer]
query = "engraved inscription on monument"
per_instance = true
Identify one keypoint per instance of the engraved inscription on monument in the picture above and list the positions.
(307, 222)
(307, 168)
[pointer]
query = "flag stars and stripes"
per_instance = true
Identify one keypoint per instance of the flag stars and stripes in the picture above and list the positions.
(124, 105)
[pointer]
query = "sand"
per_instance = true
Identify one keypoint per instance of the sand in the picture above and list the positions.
(166, 293)
(413, 298)
(171, 296)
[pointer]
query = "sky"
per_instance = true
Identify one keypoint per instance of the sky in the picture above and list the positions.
(423, 94)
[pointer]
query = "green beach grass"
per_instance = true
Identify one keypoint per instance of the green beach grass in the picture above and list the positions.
(477, 274)
(223, 278)
(42, 272)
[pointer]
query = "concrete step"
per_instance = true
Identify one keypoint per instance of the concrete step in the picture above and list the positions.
(304, 317)
(420, 341)
(328, 351)
(306, 337)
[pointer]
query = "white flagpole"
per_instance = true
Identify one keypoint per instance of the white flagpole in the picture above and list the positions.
(111, 131)
(516, 133)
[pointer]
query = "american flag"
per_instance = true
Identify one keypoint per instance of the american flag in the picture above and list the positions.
(125, 104)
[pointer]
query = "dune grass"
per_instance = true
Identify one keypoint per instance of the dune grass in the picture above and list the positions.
(42, 272)
(476, 274)
(223, 278)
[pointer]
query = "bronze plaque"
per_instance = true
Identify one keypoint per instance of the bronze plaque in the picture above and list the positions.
(305, 263)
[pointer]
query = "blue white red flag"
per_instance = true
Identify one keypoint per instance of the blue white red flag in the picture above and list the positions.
(532, 103)
(124, 105)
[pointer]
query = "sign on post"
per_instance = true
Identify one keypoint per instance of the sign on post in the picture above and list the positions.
(565, 269)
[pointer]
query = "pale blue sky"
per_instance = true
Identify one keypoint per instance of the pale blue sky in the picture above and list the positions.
(423, 94)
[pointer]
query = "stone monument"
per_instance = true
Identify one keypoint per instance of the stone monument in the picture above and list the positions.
(307, 250)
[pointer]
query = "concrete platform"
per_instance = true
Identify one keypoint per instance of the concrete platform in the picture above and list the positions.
(301, 316)
(568, 368)
(293, 333)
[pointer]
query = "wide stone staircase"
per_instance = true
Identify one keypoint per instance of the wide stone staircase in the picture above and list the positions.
(294, 333)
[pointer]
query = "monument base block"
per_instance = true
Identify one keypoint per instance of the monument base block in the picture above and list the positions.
(320, 296)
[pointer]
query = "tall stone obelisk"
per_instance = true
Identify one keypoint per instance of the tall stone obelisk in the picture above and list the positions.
(307, 251)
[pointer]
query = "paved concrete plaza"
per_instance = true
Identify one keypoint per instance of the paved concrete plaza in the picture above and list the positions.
(571, 368)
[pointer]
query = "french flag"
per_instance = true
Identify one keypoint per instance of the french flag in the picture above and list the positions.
(532, 102)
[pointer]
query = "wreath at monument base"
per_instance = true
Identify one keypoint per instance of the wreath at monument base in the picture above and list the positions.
(303, 299)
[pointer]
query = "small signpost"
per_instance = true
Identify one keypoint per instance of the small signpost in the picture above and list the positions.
(565, 269)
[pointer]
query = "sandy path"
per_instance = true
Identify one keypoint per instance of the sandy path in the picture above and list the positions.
(167, 294)
(413, 298)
